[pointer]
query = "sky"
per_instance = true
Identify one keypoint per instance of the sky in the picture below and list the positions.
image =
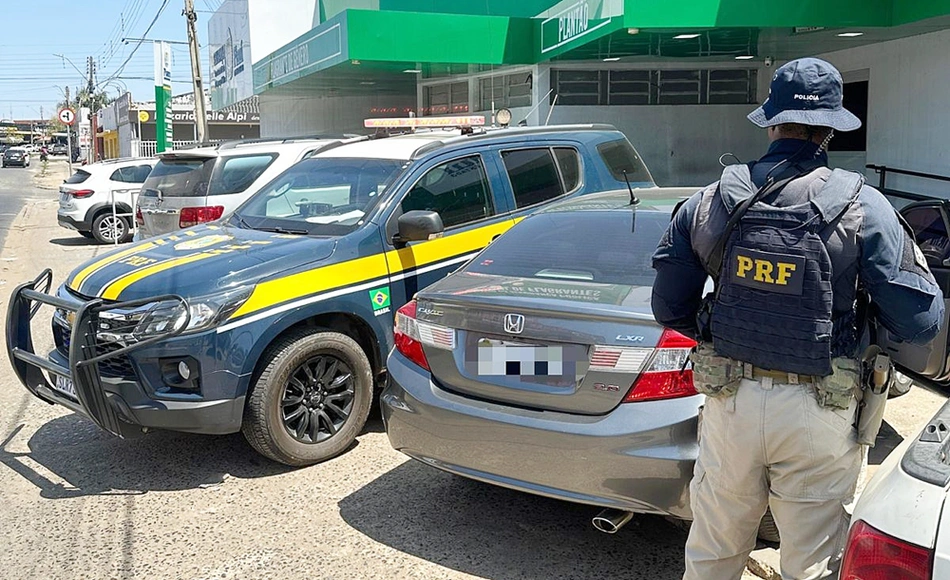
(32, 78)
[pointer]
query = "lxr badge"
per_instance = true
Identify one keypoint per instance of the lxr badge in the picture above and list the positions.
(768, 271)
(380, 300)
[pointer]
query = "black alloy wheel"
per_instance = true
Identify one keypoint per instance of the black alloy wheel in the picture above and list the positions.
(309, 398)
(318, 399)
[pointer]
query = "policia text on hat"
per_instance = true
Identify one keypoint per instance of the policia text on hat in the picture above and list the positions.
(791, 245)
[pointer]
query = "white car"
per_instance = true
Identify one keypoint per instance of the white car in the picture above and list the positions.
(899, 528)
(194, 186)
(86, 198)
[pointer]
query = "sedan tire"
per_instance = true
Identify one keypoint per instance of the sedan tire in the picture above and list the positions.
(311, 398)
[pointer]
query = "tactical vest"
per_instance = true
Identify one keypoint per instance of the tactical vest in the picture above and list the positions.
(776, 289)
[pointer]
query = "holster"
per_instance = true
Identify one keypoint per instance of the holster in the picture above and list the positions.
(877, 374)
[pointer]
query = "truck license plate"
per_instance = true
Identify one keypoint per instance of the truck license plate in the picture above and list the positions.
(65, 386)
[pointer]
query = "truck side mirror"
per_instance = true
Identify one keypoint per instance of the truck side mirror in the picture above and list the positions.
(418, 225)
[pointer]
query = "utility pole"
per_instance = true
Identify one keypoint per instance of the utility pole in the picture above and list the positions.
(69, 138)
(90, 90)
(201, 118)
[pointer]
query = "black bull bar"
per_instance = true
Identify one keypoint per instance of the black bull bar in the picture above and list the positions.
(104, 408)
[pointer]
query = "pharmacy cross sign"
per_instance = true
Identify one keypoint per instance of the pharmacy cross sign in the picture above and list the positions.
(67, 116)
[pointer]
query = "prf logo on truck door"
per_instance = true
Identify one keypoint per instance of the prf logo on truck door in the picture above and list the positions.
(767, 271)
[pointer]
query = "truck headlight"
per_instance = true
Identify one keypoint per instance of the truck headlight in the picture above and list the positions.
(204, 311)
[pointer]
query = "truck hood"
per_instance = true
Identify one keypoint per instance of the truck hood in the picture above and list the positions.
(196, 262)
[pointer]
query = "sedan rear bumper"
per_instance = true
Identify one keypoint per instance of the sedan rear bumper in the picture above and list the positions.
(638, 458)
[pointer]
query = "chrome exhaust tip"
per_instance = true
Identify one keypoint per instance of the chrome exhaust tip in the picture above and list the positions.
(611, 520)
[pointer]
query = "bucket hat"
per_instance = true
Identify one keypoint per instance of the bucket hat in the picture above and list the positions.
(807, 91)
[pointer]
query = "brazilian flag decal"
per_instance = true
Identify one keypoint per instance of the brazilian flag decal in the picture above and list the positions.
(379, 297)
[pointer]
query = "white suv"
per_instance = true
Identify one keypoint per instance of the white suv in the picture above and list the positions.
(85, 198)
(194, 186)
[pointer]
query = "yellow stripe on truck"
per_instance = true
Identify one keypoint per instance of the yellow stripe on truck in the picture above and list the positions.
(273, 292)
(91, 269)
(353, 272)
(114, 289)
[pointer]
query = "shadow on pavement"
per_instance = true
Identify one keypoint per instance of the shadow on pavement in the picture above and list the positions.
(77, 241)
(492, 532)
(93, 462)
(887, 440)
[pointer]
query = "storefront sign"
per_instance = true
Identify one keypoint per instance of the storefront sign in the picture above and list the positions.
(218, 117)
(163, 96)
(229, 36)
(572, 22)
(321, 48)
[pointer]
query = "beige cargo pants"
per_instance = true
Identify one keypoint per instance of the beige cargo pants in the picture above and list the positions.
(771, 445)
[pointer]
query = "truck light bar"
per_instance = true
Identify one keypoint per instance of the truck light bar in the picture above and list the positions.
(465, 121)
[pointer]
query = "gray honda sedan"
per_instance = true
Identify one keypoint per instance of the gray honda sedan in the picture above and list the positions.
(538, 365)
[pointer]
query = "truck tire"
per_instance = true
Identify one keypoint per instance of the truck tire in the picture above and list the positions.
(105, 225)
(311, 398)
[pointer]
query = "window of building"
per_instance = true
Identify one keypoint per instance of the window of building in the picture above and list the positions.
(654, 87)
(457, 190)
(628, 87)
(732, 86)
(445, 98)
(512, 90)
(679, 87)
(576, 87)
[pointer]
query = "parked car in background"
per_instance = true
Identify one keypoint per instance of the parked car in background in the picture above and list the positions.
(86, 198)
(538, 365)
(900, 527)
(277, 320)
(58, 149)
(15, 156)
(194, 186)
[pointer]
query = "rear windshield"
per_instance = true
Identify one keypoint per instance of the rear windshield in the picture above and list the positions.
(620, 157)
(78, 177)
(603, 247)
(180, 177)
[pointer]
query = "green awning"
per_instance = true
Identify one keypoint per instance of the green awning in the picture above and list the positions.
(397, 36)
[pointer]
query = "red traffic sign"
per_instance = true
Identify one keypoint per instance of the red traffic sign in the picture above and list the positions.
(67, 116)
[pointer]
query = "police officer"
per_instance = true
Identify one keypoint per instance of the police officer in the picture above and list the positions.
(779, 337)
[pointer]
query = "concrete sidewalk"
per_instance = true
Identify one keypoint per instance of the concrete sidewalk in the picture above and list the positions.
(55, 172)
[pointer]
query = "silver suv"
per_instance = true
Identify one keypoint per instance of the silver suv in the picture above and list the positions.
(194, 186)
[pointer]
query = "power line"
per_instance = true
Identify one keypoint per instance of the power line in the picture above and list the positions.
(139, 44)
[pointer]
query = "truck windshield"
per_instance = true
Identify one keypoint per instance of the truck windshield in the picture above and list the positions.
(323, 196)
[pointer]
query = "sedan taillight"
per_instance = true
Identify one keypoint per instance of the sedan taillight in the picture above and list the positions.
(667, 376)
(873, 555)
(192, 216)
(410, 334)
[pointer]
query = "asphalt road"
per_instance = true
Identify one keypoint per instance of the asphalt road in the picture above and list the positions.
(16, 186)
(79, 503)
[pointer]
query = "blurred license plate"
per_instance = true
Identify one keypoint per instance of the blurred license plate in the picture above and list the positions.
(66, 386)
(504, 358)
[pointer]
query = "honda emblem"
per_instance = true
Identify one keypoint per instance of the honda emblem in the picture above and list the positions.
(514, 323)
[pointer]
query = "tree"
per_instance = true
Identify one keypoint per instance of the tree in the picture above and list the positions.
(81, 98)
